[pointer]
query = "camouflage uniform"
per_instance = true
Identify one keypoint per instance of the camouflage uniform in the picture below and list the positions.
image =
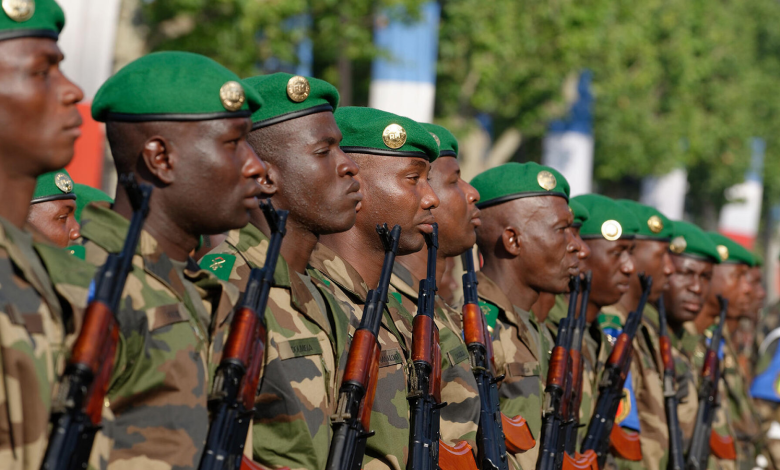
(39, 312)
(768, 378)
(298, 387)
(743, 416)
(460, 418)
(171, 322)
(684, 345)
(388, 448)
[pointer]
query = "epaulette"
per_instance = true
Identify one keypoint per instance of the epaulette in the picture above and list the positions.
(219, 264)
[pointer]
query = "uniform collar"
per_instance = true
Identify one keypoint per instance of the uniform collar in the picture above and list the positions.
(404, 281)
(339, 271)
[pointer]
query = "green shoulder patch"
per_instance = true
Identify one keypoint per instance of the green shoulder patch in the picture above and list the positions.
(610, 321)
(397, 297)
(491, 313)
(220, 264)
(78, 251)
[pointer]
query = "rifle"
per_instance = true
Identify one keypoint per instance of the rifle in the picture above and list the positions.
(558, 393)
(496, 432)
(424, 397)
(702, 439)
(232, 400)
(676, 450)
(76, 411)
(612, 381)
(352, 419)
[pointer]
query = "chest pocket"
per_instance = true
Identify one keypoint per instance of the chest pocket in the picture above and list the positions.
(525, 369)
(165, 315)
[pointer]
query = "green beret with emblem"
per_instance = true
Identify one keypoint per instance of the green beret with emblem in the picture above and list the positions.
(174, 86)
(85, 195)
(31, 18)
(287, 96)
(518, 180)
(448, 144)
(374, 132)
(730, 251)
(653, 225)
(689, 240)
(608, 219)
(53, 186)
(579, 212)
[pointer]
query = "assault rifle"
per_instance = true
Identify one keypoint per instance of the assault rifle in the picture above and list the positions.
(76, 412)
(232, 400)
(496, 432)
(703, 436)
(426, 450)
(613, 380)
(676, 450)
(352, 419)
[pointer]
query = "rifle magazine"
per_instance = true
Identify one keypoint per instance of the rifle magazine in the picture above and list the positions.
(517, 435)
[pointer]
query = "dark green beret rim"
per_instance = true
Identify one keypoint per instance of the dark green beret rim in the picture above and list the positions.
(510, 197)
(29, 33)
(652, 239)
(385, 153)
(124, 117)
(601, 237)
(448, 153)
(706, 259)
(292, 115)
(55, 197)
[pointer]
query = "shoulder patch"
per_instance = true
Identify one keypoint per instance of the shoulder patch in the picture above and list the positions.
(219, 264)
(397, 297)
(491, 313)
(78, 251)
(611, 325)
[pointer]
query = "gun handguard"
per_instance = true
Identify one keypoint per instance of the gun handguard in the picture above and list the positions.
(613, 380)
(76, 411)
(676, 449)
(352, 419)
(232, 400)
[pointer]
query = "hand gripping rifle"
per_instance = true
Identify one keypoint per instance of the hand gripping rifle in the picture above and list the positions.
(232, 400)
(703, 438)
(496, 432)
(426, 450)
(76, 412)
(352, 419)
(676, 450)
(613, 380)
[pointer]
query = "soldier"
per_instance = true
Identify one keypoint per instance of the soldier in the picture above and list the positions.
(528, 247)
(297, 137)
(745, 339)
(393, 154)
(644, 384)
(38, 126)
(457, 217)
(53, 207)
(184, 133)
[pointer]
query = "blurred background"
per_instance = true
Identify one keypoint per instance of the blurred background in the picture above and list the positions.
(673, 103)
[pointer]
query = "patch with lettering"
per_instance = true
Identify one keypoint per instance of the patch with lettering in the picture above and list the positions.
(458, 354)
(491, 313)
(299, 348)
(390, 357)
(221, 265)
(79, 251)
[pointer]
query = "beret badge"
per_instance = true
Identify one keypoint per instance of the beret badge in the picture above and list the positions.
(298, 89)
(655, 224)
(611, 230)
(546, 180)
(394, 136)
(436, 138)
(723, 251)
(63, 182)
(232, 95)
(678, 245)
(19, 10)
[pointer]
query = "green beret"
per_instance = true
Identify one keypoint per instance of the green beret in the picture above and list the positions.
(607, 219)
(580, 213)
(87, 194)
(448, 144)
(374, 132)
(730, 251)
(287, 96)
(689, 240)
(31, 18)
(173, 86)
(653, 225)
(518, 180)
(53, 186)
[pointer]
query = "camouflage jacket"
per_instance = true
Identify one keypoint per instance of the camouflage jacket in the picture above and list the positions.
(521, 352)
(743, 416)
(39, 313)
(460, 418)
(388, 448)
(170, 343)
(298, 387)
(684, 345)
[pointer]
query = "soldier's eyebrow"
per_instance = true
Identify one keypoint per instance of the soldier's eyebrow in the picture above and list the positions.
(419, 163)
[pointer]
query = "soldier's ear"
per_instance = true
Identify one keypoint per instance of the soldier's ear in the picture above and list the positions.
(156, 160)
(270, 184)
(510, 238)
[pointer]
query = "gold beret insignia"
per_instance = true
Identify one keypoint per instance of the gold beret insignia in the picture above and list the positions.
(571, 211)
(723, 251)
(678, 245)
(611, 230)
(298, 89)
(232, 95)
(63, 182)
(19, 10)
(436, 138)
(394, 136)
(546, 180)
(655, 224)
